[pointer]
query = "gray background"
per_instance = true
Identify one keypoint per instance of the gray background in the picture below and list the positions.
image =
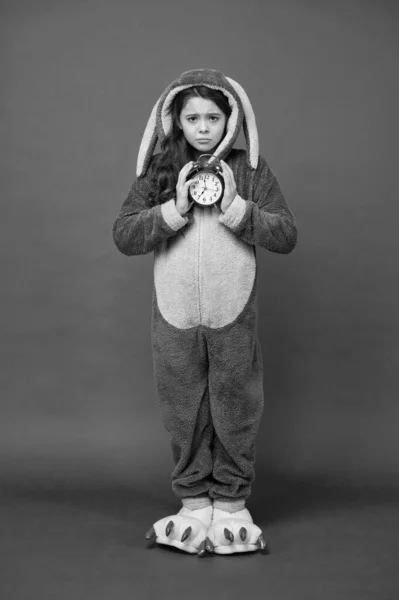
(79, 80)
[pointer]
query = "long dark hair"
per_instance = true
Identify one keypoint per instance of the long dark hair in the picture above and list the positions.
(175, 151)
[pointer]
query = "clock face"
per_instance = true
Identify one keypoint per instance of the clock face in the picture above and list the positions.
(208, 190)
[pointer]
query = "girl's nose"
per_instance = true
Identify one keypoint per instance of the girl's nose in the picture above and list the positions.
(203, 127)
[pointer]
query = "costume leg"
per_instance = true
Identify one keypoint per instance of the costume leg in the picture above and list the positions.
(181, 378)
(236, 401)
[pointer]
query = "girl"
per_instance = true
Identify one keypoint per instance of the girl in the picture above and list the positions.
(206, 354)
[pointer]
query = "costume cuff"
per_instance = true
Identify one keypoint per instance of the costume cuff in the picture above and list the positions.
(234, 213)
(172, 215)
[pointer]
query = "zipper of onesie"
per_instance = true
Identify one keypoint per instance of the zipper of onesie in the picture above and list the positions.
(199, 264)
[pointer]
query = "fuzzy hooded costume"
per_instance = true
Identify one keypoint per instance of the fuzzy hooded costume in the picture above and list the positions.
(206, 353)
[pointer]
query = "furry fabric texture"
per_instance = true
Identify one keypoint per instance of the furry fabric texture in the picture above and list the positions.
(210, 386)
(207, 358)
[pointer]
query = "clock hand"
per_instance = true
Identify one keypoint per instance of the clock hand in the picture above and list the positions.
(202, 190)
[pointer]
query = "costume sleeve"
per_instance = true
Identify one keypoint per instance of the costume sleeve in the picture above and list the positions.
(265, 221)
(139, 228)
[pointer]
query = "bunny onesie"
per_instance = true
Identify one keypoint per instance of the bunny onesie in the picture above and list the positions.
(206, 354)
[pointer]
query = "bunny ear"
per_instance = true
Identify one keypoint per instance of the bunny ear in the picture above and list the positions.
(148, 142)
(249, 125)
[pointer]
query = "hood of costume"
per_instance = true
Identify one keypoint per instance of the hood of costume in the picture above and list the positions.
(242, 116)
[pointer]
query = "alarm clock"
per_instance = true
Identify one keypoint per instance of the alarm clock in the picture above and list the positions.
(209, 186)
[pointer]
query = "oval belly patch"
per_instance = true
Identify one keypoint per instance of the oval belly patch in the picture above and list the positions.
(206, 276)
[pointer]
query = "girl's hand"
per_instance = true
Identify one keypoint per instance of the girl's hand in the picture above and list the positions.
(182, 204)
(230, 188)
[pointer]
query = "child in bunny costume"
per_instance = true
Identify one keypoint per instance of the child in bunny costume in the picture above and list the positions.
(207, 357)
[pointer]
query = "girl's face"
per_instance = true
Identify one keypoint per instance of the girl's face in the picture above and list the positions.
(202, 119)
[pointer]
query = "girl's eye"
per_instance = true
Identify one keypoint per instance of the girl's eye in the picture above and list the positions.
(192, 119)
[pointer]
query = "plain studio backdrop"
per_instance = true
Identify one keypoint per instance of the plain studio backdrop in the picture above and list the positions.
(79, 79)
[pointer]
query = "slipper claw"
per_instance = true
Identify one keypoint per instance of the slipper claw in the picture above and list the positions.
(262, 544)
(208, 545)
(201, 549)
(151, 535)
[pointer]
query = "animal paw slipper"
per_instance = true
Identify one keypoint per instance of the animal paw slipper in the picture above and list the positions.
(187, 530)
(234, 532)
